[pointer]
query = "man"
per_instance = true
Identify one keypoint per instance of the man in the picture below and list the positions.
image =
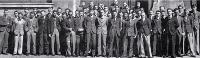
(151, 15)
(124, 33)
(188, 22)
(180, 31)
(54, 32)
(31, 28)
(171, 30)
(19, 32)
(196, 19)
(157, 31)
(90, 25)
(102, 32)
(91, 5)
(138, 6)
(132, 34)
(144, 27)
(5, 28)
(42, 31)
(79, 21)
(114, 34)
(59, 13)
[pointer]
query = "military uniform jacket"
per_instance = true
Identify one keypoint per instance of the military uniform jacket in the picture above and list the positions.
(102, 25)
(90, 24)
(42, 24)
(6, 23)
(132, 30)
(188, 24)
(156, 26)
(54, 23)
(172, 26)
(79, 23)
(68, 23)
(32, 24)
(144, 27)
(196, 20)
(116, 25)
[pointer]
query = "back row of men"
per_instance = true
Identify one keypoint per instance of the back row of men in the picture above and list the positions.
(100, 30)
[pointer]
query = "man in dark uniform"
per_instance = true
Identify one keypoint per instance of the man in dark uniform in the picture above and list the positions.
(54, 32)
(132, 33)
(171, 30)
(196, 19)
(157, 31)
(90, 26)
(124, 33)
(42, 31)
(144, 27)
(5, 28)
(79, 20)
(188, 25)
(114, 33)
(31, 28)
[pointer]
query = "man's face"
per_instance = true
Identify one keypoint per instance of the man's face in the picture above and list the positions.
(59, 10)
(143, 15)
(20, 15)
(169, 12)
(130, 16)
(16, 13)
(138, 4)
(96, 7)
(5, 12)
(83, 3)
(50, 10)
(115, 14)
(157, 14)
(194, 8)
(77, 13)
(81, 13)
(32, 15)
(162, 8)
(91, 3)
(67, 11)
(43, 13)
(150, 12)
(117, 8)
(106, 8)
(116, 2)
(126, 14)
(91, 12)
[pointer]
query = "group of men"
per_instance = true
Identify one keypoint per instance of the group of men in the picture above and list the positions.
(99, 30)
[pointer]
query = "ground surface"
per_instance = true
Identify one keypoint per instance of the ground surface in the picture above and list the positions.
(45, 56)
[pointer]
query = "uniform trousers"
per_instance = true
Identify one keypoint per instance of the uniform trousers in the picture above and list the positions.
(114, 44)
(79, 39)
(31, 36)
(91, 42)
(55, 38)
(190, 37)
(71, 39)
(18, 42)
(4, 35)
(144, 44)
(102, 43)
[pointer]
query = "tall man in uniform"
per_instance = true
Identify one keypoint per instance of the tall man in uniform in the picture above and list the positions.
(31, 28)
(90, 26)
(144, 27)
(5, 28)
(102, 33)
(54, 33)
(114, 33)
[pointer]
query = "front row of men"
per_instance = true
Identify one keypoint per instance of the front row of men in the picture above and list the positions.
(102, 32)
